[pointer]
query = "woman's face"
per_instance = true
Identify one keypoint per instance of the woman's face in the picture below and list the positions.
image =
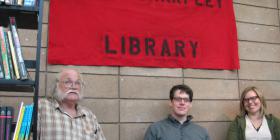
(252, 103)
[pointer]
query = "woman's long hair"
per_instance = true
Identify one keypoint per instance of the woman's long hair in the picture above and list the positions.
(260, 96)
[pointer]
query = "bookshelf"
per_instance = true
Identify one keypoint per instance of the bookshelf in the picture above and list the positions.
(26, 18)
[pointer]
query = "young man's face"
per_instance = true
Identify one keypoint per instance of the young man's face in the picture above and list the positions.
(180, 104)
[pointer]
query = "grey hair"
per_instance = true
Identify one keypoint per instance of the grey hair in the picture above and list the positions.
(58, 75)
(55, 90)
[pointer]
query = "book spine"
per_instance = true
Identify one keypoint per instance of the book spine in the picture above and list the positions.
(29, 122)
(20, 122)
(10, 115)
(1, 63)
(29, 3)
(2, 122)
(18, 125)
(24, 123)
(20, 2)
(9, 56)
(15, 2)
(22, 68)
(8, 2)
(4, 54)
(13, 54)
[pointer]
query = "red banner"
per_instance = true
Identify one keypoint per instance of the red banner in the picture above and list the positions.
(148, 33)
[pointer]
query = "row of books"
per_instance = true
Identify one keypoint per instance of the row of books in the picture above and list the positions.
(23, 126)
(6, 119)
(24, 122)
(28, 3)
(12, 64)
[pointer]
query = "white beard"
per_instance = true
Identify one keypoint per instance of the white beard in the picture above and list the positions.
(60, 95)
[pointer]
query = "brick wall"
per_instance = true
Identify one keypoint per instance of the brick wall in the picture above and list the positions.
(127, 100)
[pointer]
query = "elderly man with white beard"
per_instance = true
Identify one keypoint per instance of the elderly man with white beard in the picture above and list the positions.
(60, 117)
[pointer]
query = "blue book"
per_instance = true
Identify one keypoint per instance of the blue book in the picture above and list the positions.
(29, 122)
(29, 2)
(24, 123)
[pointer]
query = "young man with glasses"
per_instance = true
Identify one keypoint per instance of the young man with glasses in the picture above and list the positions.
(178, 125)
(60, 117)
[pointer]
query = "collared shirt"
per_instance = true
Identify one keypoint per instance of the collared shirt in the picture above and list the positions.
(56, 124)
(171, 129)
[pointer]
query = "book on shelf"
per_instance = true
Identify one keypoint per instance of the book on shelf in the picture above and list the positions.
(20, 2)
(12, 64)
(9, 2)
(29, 122)
(29, 3)
(21, 66)
(4, 54)
(19, 121)
(9, 121)
(2, 122)
(23, 125)
(24, 122)
(1, 66)
(6, 118)
(11, 68)
(13, 56)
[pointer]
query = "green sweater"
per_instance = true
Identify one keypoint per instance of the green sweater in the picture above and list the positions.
(236, 129)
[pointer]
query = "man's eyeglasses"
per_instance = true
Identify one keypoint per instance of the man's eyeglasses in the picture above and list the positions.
(179, 99)
(69, 83)
(253, 98)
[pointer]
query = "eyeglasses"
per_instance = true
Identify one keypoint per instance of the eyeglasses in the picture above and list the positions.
(179, 99)
(69, 83)
(253, 99)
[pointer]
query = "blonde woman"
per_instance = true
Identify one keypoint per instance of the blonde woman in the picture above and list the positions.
(253, 123)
